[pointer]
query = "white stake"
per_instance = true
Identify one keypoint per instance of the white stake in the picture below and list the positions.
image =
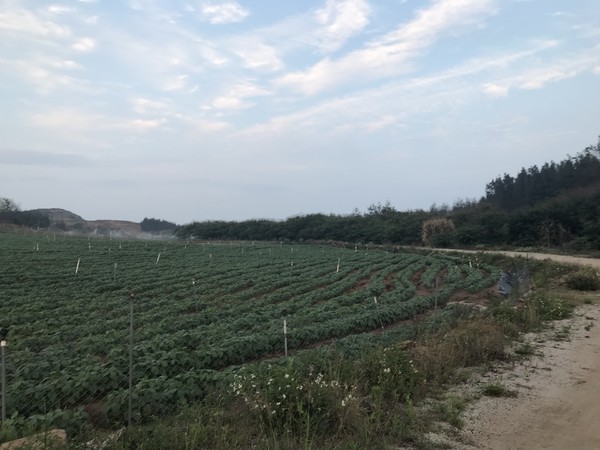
(77, 268)
(37, 247)
(158, 258)
(338, 266)
(285, 337)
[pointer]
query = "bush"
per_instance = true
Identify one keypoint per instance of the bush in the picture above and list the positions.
(540, 307)
(586, 279)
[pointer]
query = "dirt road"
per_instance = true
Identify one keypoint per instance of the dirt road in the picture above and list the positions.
(558, 394)
(541, 256)
(558, 391)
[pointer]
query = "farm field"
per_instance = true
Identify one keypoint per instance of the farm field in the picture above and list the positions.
(201, 310)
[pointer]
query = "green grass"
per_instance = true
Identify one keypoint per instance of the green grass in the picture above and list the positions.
(497, 390)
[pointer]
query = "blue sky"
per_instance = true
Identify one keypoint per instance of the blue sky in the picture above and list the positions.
(193, 110)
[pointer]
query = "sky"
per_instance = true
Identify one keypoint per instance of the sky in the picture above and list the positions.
(192, 110)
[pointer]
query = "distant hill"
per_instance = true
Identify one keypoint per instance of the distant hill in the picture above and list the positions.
(57, 215)
(69, 222)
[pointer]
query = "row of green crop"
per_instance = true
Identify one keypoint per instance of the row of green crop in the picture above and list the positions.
(198, 309)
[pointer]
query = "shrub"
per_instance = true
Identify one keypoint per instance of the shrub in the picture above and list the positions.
(585, 279)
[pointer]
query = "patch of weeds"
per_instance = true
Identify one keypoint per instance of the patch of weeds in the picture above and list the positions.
(497, 390)
(542, 306)
(525, 349)
(587, 301)
(589, 326)
(585, 279)
(451, 409)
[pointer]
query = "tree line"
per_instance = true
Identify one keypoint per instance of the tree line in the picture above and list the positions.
(12, 214)
(555, 205)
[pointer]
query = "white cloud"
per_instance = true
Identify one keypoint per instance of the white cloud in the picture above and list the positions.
(204, 126)
(222, 13)
(495, 90)
(59, 9)
(539, 78)
(257, 55)
(383, 122)
(46, 74)
(234, 103)
(380, 106)
(26, 22)
(66, 119)
(339, 20)
(176, 83)
(392, 54)
(234, 99)
(144, 124)
(539, 75)
(81, 122)
(84, 45)
(144, 106)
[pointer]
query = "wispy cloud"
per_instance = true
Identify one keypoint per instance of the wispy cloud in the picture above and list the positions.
(393, 53)
(339, 20)
(378, 107)
(257, 55)
(235, 96)
(24, 21)
(84, 45)
(145, 106)
(39, 158)
(222, 13)
(541, 74)
(46, 74)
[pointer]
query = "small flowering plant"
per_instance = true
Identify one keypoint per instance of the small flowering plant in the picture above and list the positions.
(391, 373)
(288, 399)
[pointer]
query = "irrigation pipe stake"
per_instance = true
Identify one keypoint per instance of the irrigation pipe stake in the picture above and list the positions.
(157, 258)
(285, 337)
(130, 405)
(338, 266)
(77, 267)
(3, 377)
